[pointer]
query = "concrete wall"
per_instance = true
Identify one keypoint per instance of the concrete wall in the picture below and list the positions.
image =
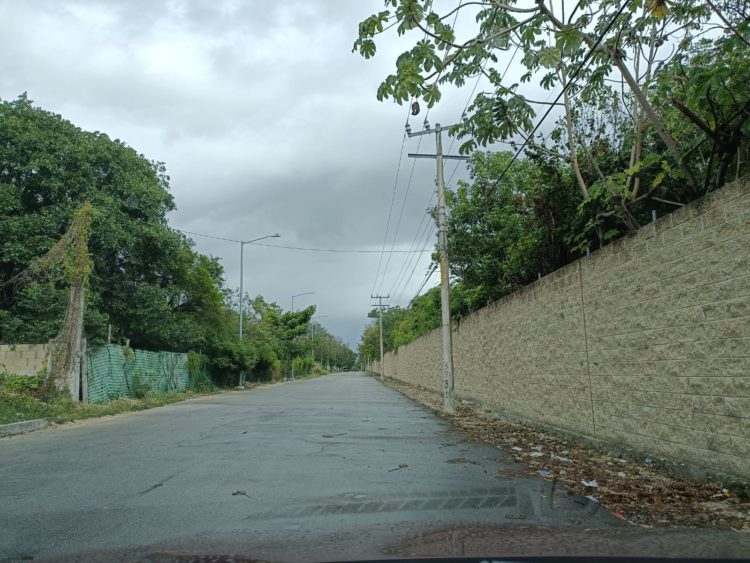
(23, 359)
(645, 344)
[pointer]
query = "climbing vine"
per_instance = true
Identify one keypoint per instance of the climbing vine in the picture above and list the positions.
(70, 260)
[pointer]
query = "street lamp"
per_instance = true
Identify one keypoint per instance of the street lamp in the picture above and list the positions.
(293, 296)
(300, 295)
(312, 337)
(242, 272)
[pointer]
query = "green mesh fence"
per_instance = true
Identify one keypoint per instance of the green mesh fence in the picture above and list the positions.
(115, 372)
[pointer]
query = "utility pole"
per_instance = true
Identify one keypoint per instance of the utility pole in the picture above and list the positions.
(380, 308)
(442, 224)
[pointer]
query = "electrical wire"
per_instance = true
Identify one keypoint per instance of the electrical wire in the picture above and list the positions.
(420, 242)
(304, 248)
(426, 279)
(401, 214)
(390, 209)
(339, 250)
(414, 245)
(408, 259)
(468, 103)
(207, 236)
(411, 175)
(573, 78)
(429, 234)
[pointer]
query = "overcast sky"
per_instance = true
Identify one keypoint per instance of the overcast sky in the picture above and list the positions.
(267, 123)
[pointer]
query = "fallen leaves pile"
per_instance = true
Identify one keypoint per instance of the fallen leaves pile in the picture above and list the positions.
(637, 492)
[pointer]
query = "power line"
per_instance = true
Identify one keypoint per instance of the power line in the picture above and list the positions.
(339, 250)
(390, 209)
(403, 281)
(411, 175)
(401, 214)
(405, 268)
(393, 197)
(408, 259)
(308, 249)
(429, 233)
(207, 236)
(426, 279)
(414, 245)
(573, 78)
(468, 102)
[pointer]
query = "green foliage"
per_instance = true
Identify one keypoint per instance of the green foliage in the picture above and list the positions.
(15, 407)
(658, 116)
(303, 365)
(50, 168)
(686, 104)
(29, 384)
(139, 389)
(198, 368)
(145, 279)
(704, 94)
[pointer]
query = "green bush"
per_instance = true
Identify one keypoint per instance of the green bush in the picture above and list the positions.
(197, 366)
(27, 384)
(140, 390)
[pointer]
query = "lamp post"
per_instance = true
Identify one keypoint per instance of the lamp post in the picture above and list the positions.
(242, 272)
(293, 296)
(300, 295)
(312, 337)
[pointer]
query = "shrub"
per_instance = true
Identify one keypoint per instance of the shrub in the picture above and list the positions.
(26, 384)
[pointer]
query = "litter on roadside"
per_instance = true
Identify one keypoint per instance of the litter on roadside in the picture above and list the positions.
(643, 492)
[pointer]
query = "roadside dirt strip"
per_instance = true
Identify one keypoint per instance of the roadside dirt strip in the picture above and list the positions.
(641, 493)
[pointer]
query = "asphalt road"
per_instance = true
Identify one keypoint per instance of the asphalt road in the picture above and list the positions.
(339, 467)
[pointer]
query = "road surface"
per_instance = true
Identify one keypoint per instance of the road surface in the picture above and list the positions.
(339, 467)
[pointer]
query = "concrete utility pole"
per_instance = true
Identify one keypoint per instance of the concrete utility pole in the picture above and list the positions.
(380, 308)
(442, 224)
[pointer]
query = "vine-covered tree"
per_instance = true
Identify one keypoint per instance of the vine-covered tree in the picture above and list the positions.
(145, 280)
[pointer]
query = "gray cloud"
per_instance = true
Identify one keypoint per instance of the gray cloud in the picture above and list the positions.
(266, 121)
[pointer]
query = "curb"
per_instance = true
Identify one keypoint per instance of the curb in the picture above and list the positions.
(22, 427)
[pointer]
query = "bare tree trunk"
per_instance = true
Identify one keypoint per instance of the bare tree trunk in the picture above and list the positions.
(639, 95)
(571, 136)
(65, 351)
(638, 113)
(655, 120)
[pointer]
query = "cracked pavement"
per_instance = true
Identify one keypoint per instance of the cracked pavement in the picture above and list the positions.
(339, 467)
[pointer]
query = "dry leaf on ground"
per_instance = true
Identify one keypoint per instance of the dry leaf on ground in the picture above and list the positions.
(640, 493)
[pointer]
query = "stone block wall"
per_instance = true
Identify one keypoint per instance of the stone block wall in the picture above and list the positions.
(23, 359)
(645, 344)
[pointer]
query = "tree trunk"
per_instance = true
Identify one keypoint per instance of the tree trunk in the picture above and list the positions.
(571, 137)
(639, 95)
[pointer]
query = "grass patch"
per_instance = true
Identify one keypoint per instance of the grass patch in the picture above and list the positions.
(19, 406)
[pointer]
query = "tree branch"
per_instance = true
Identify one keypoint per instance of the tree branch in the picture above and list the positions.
(548, 151)
(513, 8)
(727, 22)
(476, 40)
(463, 5)
(697, 121)
(668, 202)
